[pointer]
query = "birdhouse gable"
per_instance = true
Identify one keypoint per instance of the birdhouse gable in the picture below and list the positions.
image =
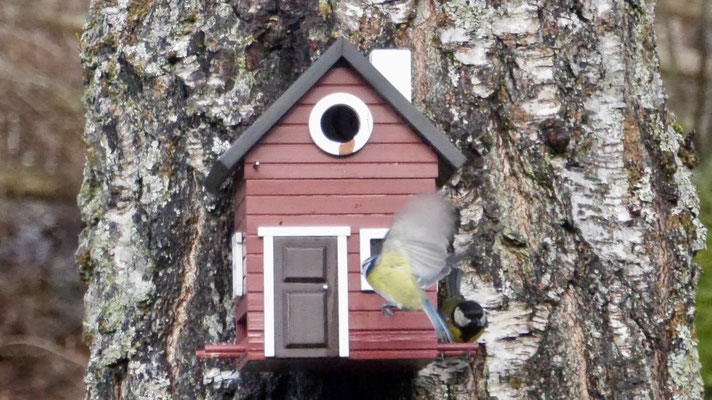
(343, 114)
(292, 149)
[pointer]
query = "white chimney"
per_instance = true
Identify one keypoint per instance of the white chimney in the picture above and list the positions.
(394, 65)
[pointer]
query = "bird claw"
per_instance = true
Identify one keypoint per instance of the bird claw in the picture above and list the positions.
(387, 310)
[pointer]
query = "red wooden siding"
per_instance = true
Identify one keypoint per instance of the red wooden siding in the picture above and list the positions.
(382, 133)
(365, 94)
(286, 187)
(256, 285)
(325, 204)
(307, 154)
(341, 76)
(358, 300)
(356, 221)
(240, 204)
(297, 184)
(341, 170)
(362, 321)
(381, 113)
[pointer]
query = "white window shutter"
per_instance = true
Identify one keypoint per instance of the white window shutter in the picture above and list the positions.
(238, 265)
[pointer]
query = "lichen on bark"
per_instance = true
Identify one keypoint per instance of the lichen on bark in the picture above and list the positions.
(576, 209)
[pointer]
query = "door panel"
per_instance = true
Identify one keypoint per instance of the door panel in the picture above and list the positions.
(306, 264)
(300, 308)
(306, 322)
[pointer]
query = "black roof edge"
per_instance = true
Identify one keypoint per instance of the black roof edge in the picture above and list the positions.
(228, 162)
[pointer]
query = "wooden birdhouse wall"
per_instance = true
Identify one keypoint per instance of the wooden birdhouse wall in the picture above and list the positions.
(287, 181)
(319, 177)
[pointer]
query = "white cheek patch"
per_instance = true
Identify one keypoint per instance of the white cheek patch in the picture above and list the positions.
(460, 318)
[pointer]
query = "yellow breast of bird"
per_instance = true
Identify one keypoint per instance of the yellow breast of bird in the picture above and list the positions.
(455, 331)
(393, 279)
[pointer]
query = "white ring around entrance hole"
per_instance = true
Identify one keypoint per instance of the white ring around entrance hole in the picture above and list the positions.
(365, 120)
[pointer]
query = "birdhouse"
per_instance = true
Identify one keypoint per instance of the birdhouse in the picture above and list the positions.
(319, 177)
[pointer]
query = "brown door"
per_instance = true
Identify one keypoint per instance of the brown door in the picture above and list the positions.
(305, 301)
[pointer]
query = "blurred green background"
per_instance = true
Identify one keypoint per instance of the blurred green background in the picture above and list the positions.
(684, 32)
(703, 319)
(41, 158)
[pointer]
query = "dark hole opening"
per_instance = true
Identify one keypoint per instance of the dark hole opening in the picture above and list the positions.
(340, 123)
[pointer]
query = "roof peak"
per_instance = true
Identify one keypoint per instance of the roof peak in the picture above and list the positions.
(340, 49)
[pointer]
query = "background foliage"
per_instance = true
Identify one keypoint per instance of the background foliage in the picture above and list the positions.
(703, 319)
(41, 158)
(684, 31)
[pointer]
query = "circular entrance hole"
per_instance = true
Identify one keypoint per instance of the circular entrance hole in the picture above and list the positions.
(340, 123)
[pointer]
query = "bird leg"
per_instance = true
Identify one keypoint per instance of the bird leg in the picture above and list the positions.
(388, 310)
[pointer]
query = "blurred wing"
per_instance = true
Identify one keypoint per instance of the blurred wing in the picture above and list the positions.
(421, 232)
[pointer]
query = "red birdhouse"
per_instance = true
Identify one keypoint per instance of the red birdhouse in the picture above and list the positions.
(319, 178)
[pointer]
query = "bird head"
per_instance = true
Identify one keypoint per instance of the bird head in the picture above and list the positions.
(468, 313)
(368, 265)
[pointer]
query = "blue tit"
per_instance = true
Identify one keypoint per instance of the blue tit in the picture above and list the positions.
(465, 318)
(413, 257)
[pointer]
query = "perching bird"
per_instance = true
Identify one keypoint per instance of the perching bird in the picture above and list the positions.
(413, 257)
(465, 318)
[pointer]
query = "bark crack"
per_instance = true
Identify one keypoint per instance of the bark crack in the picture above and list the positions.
(186, 294)
(578, 343)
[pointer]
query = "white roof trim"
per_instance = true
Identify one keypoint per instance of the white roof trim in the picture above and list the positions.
(238, 265)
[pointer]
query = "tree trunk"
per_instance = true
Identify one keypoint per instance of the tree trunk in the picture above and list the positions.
(577, 207)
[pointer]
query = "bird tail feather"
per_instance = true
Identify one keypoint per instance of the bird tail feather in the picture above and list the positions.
(441, 329)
